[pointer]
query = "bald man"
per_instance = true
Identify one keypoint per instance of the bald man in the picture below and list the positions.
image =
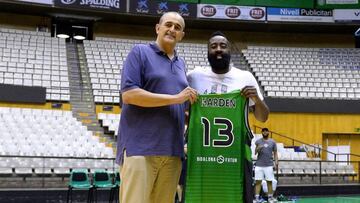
(154, 91)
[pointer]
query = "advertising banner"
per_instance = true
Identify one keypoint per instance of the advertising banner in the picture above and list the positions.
(231, 12)
(19, 93)
(337, 4)
(186, 1)
(154, 7)
(286, 3)
(230, 2)
(342, 1)
(108, 5)
(49, 2)
(347, 15)
(299, 15)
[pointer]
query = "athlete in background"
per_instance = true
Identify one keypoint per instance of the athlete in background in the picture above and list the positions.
(267, 154)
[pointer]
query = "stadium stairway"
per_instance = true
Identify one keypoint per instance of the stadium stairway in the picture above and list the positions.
(238, 59)
(81, 97)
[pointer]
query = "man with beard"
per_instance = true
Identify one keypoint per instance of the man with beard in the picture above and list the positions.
(266, 150)
(223, 78)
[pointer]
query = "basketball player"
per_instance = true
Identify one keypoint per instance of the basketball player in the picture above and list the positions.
(266, 150)
(154, 91)
(222, 78)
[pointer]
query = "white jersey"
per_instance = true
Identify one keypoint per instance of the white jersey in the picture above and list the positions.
(205, 81)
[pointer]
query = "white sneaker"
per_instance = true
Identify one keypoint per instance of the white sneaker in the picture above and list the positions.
(272, 200)
(258, 200)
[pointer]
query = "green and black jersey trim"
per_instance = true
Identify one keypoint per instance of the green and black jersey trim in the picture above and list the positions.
(248, 191)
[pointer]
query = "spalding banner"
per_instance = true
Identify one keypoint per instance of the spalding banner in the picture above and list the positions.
(231, 12)
(109, 5)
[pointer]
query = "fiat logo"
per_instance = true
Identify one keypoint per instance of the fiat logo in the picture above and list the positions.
(232, 12)
(208, 11)
(257, 13)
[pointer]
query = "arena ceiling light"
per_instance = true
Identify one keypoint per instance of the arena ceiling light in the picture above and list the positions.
(72, 29)
(63, 36)
(79, 32)
(79, 37)
(63, 30)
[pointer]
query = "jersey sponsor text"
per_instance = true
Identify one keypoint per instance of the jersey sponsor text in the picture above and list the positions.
(219, 159)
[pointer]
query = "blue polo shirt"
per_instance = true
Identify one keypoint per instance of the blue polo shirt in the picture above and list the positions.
(155, 131)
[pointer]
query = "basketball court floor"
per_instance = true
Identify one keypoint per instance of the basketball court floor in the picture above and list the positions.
(337, 199)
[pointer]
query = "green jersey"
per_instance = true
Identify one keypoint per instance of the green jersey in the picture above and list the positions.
(218, 150)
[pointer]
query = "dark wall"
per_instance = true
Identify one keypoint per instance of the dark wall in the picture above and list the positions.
(313, 105)
(16, 93)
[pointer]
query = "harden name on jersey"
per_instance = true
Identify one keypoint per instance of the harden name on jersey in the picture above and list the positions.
(218, 102)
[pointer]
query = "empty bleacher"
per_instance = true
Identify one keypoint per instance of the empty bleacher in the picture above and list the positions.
(105, 58)
(320, 73)
(110, 122)
(51, 142)
(29, 58)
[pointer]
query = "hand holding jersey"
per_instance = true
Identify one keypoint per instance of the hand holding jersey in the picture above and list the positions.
(188, 94)
(250, 92)
(260, 109)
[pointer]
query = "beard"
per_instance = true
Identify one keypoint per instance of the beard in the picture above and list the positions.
(219, 64)
(265, 136)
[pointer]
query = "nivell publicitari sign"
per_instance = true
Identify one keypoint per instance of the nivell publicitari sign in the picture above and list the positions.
(231, 12)
(299, 15)
(110, 5)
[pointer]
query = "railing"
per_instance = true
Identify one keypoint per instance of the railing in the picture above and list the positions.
(45, 167)
(294, 142)
(318, 172)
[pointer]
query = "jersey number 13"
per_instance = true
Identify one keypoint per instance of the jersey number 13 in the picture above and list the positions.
(225, 132)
